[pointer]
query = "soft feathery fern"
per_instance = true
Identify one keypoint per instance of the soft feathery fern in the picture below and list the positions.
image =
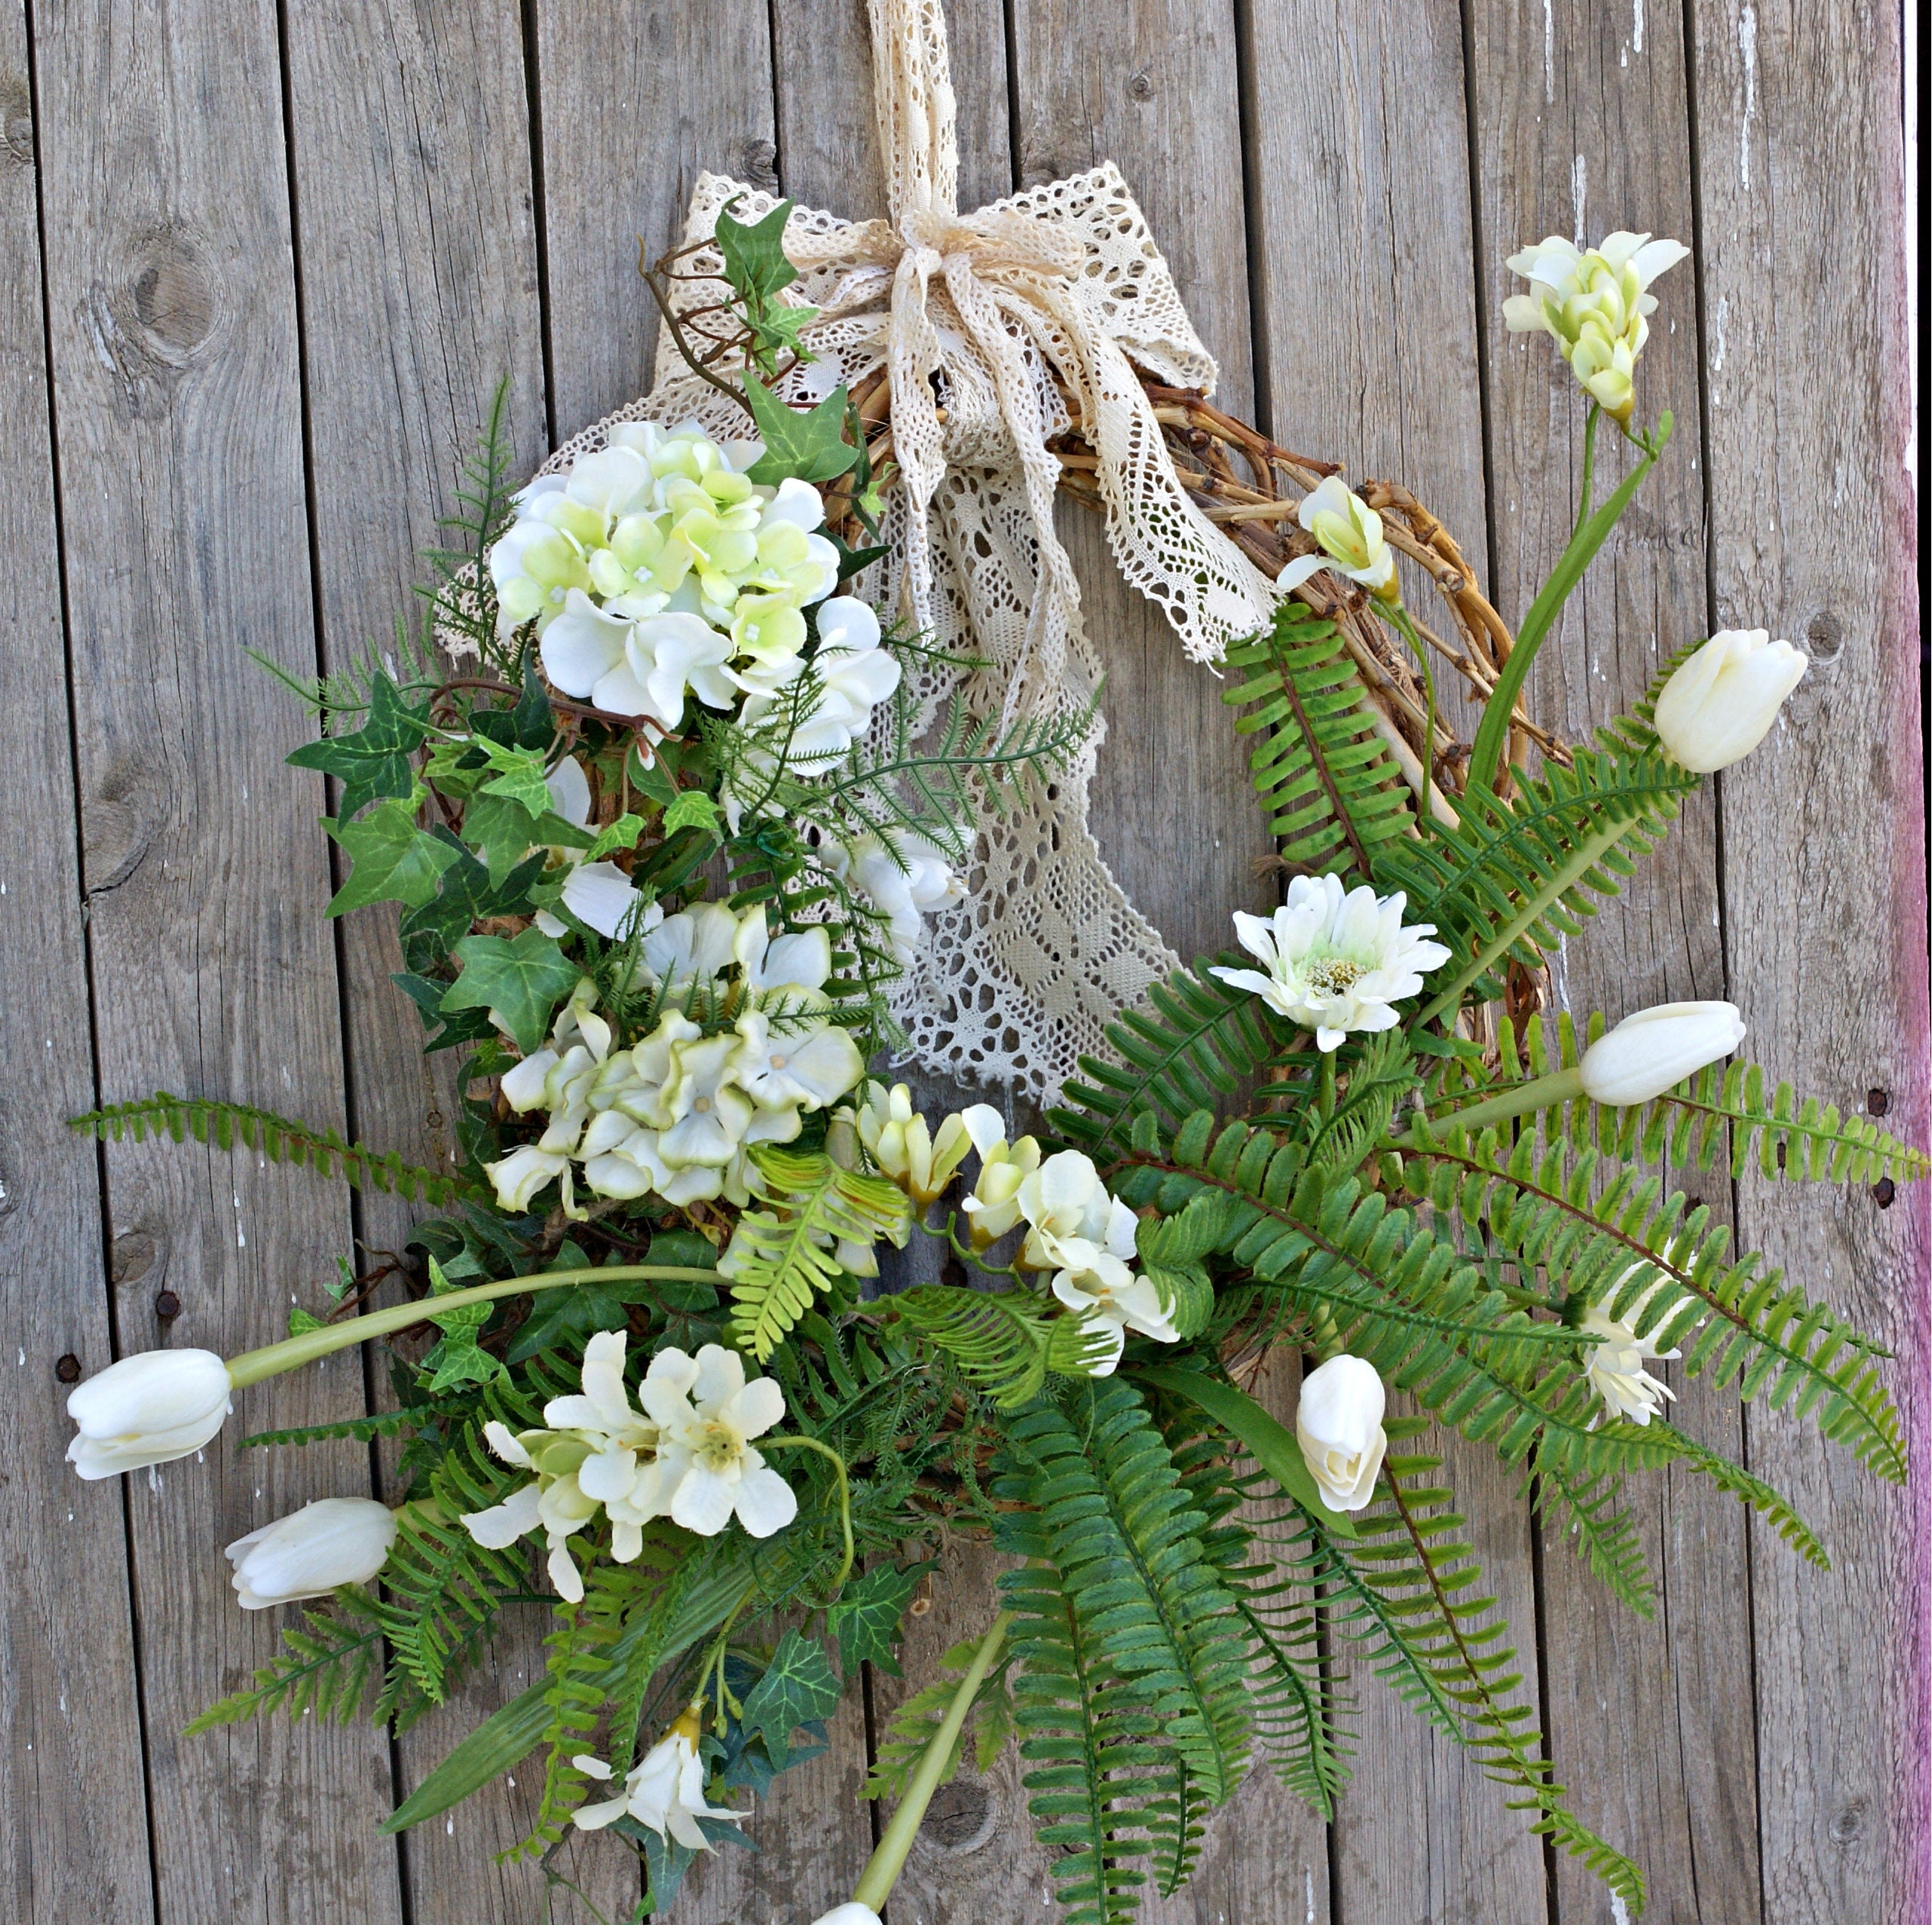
(1626, 1248)
(324, 1669)
(1004, 1342)
(1186, 1048)
(280, 1141)
(1381, 1071)
(1517, 878)
(782, 1258)
(1691, 1124)
(1333, 795)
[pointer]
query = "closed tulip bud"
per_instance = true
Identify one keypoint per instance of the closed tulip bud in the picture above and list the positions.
(1656, 1049)
(1721, 703)
(1338, 1424)
(149, 1409)
(853, 1914)
(334, 1541)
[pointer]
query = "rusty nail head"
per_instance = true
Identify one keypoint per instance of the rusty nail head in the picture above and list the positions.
(68, 1368)
(167, 1303)
(1878, 1101)
(1883, 1191)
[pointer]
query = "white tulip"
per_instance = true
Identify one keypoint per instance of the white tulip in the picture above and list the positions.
(1335, 961)
(148, 1409)
(1339, 1424)
(852, 1913)
(308, 1553)
(1720, 704)
(1352, 543)
(1656, 1049)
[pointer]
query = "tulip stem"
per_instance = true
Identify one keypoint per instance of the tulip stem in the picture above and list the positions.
(888, 1860)
(1561, 1085)
(1590, 533)
(844, 1492)
(292, 1353)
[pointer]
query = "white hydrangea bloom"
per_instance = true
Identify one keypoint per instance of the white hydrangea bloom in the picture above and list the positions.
(1335, 961)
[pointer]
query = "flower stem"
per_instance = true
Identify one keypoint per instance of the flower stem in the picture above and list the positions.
(1561, 1085)
(292, 1353)
(1589, 468)
(844, 1492)
(1324, 1100)
(883, 1868)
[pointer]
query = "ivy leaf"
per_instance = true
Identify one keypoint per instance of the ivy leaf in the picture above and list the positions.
(466, 896)
(517, 773)
(301, 1320)
(693, 809)
(811, 446)
(501, 830)
(519, 979)
(457, 1357)
(799, 1687)
(373, 761)
(755, 262)
(528, 725)
(443, 1031)
(866, 1618)
(622, 833)
(391, 860)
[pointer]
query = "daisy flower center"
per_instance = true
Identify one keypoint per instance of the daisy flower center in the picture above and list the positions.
(1333, 975)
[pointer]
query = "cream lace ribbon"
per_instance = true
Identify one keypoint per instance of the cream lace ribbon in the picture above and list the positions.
(969, 313)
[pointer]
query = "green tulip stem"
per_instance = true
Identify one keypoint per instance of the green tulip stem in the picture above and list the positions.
(292, 1353)
(1561, 1085)
(1589, 468)
(883, 1868)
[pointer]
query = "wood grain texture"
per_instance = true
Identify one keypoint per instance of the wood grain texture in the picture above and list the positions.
(1582, 127)
(173, 337)
(1360, 163)
(636, 100)
(1799, 172)
(73, 1831)
(409, 128)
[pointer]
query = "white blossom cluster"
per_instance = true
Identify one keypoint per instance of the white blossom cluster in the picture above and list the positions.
(687, 1455)
(675, 1114)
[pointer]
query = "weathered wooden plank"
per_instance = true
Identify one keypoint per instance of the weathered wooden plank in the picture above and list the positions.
(73, 1832)
(173, 339)
(409, 136)
(636, 102)
(1799, 170)
(1583, 128)
(1362, 226)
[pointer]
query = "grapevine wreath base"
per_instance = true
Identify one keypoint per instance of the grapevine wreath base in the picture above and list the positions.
(765, 759)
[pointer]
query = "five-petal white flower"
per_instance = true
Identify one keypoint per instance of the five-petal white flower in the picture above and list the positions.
(664, 1791)
(709, 1414)
(1335, 961)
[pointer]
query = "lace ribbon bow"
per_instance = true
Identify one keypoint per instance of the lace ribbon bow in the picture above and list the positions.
(974, 316)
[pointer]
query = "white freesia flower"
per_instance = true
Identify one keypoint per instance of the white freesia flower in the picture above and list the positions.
(334, 1541)
(1098, 1286)
(1335, 962)
(664, 1791)
(992, 1206)
(1352, 543)
(1593, 305)
(596, 1450)
(1720, 704)
(709, 1414)
(151, 1408)
(903, 881)
(1656, 1048)
(899, 1141)
(1614, 1368)
(636, 667)
(1338, 1424)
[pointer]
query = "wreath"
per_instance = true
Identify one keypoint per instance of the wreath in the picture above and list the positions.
(742, 732)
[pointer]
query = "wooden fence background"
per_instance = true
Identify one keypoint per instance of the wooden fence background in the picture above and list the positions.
(263, 264)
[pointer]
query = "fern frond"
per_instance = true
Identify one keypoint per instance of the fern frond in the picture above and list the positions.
(1517, 878)
(1621, 1244)
(1000, 1339)
(782, 1259)
(226, 1125)
(1780, 1135)
(1602, 1532)
(576, 1664)
(1768, 1503)
(1333, 795)
(324, 1668)
(362, 1430)
(1187, 1047)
